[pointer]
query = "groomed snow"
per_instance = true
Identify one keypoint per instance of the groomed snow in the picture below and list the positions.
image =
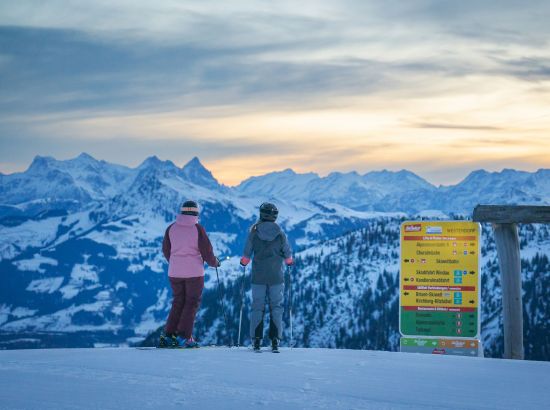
(35, 263)
(47, 285)
(219, 378)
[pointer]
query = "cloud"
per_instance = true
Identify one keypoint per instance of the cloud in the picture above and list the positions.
(533, 68)
(457, 126)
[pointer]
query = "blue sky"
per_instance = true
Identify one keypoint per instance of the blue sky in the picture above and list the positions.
(437, 87)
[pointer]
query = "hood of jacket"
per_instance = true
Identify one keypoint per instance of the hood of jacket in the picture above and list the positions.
(187, 220)
(267, 231)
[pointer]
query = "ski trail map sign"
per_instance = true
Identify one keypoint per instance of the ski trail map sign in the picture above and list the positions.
(440, 280)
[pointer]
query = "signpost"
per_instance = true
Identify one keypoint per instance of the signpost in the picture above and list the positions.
(440, 280)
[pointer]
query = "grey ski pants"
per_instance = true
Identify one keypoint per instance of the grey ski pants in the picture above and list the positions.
(275, 295)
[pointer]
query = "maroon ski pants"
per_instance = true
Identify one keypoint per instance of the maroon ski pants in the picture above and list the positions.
(187, 294)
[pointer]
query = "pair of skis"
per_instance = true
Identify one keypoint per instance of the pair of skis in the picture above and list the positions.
(273, 350)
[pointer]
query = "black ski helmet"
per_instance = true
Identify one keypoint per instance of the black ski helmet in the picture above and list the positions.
(268, 212)
(190, 208)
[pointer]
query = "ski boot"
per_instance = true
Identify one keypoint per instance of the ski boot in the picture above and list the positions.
(275, 345)
(257, 345)
(166, 341)
(183, 343)
(191, 344)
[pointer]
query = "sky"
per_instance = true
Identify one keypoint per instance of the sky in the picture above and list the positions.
(440, 88)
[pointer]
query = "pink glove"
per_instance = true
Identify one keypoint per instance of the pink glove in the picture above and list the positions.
(245, 261)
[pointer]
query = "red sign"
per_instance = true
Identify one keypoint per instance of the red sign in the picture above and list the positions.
(413, 228)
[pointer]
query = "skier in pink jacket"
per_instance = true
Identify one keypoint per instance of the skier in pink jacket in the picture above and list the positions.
(186, 247)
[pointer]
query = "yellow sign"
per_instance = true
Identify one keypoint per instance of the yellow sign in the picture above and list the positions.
(439, 274)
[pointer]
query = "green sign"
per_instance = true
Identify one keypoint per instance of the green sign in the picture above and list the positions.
(429, 323)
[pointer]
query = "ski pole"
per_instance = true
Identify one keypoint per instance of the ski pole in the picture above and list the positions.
(290, 306)
(242, 304)
(223, 306)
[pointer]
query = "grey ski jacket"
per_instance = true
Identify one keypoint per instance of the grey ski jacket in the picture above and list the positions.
(269, 246)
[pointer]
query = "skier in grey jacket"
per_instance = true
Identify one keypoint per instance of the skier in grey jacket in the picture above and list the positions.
(269, 247)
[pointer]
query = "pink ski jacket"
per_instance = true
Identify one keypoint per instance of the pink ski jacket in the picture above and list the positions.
(186, 247)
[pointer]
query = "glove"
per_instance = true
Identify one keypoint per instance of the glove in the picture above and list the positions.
(289, 261)
(244, 261)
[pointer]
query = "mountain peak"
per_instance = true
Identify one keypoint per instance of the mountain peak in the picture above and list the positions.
(85, 155)
(339, 174)
(476, 175)
(195, 163)
(40, 162)
(195, 160)
(152, 160)
(155, 162)
(196, 173)
(403, 178)
(479, 172)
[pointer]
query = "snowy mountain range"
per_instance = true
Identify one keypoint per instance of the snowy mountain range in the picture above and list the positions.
(403, 191)
(80, 250)
(82, 182)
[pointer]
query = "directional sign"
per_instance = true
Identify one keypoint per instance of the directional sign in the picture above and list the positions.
(457, 347)
(440, 281)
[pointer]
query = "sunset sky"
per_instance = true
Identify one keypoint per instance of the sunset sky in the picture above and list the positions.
(437, 87)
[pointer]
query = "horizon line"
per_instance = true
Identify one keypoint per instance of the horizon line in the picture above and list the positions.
(319, 175)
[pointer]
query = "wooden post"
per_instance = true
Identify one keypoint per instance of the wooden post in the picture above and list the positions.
(505, 219)
(507, 241)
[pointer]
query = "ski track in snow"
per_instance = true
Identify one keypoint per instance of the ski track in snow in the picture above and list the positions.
(222, 378)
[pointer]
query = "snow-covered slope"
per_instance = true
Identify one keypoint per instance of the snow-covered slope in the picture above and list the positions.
(221, 378)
